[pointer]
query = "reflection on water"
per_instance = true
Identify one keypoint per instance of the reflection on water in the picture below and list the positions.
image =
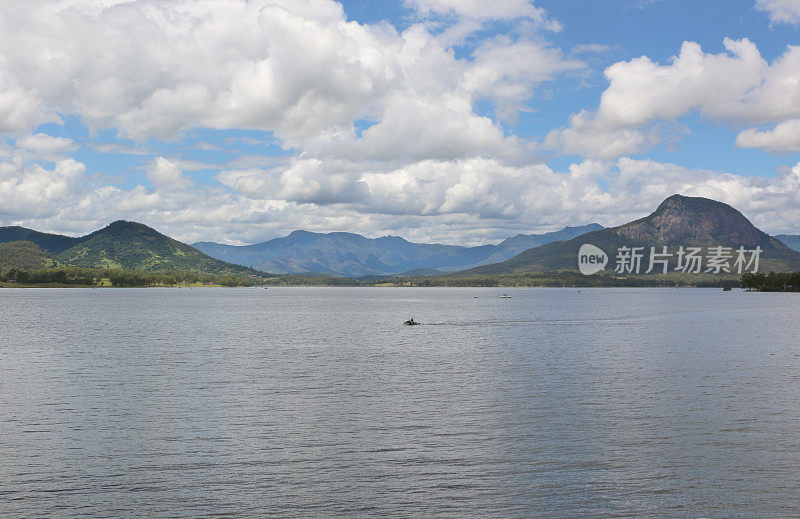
(319, 402)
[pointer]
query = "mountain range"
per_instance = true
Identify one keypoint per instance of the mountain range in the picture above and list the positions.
(353, 255)
(791, 240)
(678, 221)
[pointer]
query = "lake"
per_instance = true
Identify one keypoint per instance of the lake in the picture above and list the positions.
(318, 402)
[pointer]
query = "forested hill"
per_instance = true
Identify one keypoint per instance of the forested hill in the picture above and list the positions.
(123, 245)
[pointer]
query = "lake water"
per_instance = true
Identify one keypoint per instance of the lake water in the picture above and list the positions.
(318, 402)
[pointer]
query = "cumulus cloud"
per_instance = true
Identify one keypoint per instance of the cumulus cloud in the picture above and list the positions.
(434, 127)
(167, 175)
(736, 87)
(45, 146)
(168, 65)
(297, 68)
(253, 182)
(507, 72)
(461, 18)
(719, 85)
(466, 201)
(781, 11)
(30, 190)
(591, 137)
(480, 9)
(501, 196)
(783, 138)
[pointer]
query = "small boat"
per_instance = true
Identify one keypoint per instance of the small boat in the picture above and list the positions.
(505, 296)
(726, 289)
(411, 322)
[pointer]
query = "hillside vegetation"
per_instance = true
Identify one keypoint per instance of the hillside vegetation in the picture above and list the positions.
(22, 255)
(133, 246)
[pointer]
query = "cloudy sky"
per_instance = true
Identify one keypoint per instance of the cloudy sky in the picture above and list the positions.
(456, 121)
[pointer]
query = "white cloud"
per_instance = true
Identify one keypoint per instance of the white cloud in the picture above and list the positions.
(167, 175)
(416, 128)
(735, 87)
(591, 48)
(252, 182)
(464, 201)
(641, 90)
(167, 65)
(781, 11)
(494, 195)
(783, 138)
(321, 183)
(507, 71)
(479, 9)
(46, 146)
(20, 109)
(591, 137)
(297, 68)
(456, 20)
(30, 190)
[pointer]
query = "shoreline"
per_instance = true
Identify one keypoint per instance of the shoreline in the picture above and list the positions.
(380, 286)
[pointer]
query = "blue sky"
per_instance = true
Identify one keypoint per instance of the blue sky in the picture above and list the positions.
(456, 121)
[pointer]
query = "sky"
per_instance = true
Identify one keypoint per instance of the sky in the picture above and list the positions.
(450, 121)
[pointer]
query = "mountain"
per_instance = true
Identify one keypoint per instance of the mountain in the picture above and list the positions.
(344, 254)
(791, 240)
(134, 246)
(52, 243)
(512, 246)
(120, 245)
(354, 255)
(678, 221)
(23, 255)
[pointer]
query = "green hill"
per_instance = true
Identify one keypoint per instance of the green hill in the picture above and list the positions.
(678, 221)
(134, 246)
(52, 243)
(23, 255)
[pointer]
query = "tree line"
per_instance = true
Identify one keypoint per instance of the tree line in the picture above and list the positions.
(119, 278)
(772, 282)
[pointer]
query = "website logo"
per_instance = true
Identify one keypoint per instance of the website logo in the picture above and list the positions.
(591, 259)
(691, 260)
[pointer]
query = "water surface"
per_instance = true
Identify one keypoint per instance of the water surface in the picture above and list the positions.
(317, 402)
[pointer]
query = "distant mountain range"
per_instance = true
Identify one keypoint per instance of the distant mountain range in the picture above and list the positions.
(120, 245)
(791, 240)
(353, 255)
(678, 221)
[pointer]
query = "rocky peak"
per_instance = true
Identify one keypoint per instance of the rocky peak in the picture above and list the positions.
(683, 220)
